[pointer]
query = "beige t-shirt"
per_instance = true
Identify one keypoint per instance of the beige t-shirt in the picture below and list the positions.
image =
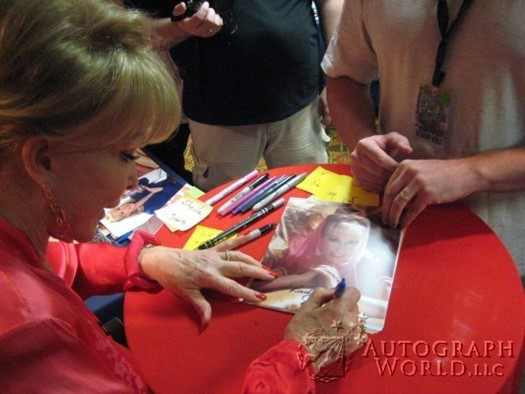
(396, 40)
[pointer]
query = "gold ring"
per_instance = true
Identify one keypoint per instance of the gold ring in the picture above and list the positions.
(403, 196)
(227, 255)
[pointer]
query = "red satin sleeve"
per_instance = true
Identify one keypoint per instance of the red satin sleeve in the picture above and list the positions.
(96, 269)
(280, 371)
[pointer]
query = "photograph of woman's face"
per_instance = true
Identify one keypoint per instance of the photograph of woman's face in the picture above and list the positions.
(341, 242)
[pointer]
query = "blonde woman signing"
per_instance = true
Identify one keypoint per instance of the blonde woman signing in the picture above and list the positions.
(80, 91)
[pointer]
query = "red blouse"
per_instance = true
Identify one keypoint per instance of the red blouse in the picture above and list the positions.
(51, 342)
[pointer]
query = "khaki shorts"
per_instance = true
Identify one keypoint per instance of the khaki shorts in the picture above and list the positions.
(223, 153)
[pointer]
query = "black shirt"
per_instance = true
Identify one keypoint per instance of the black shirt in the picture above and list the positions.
(264, 72)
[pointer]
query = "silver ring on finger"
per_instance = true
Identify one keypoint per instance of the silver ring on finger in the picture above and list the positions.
(403, 195)
(227, 255)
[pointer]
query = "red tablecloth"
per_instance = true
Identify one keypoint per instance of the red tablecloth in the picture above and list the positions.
(456, 318)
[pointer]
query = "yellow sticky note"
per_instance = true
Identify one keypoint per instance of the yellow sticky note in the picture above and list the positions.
(195, 192)
(312, 183)
(330, 186)
(200, 235)
(336, 188)
(360, 196)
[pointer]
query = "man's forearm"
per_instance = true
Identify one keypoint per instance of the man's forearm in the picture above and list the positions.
(498, 171)
(166, 34)
(351, 108)
(329, 13)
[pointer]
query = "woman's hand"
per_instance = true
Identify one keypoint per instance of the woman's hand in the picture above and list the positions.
(186, 273)
(329, 328)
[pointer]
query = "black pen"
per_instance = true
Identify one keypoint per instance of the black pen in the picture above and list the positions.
(260, 231)
(242, 224)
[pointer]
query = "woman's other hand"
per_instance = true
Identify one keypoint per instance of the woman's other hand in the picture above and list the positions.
(187, 272)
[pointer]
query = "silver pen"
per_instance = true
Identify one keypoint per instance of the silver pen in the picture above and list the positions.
(280, 191)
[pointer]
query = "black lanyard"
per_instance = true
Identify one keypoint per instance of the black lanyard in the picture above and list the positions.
(442, 17)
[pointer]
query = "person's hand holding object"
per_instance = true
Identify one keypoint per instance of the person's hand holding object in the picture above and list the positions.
(375, 159)
(330, 329)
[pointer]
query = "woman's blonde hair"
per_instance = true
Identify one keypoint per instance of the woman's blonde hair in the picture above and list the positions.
(64, 63)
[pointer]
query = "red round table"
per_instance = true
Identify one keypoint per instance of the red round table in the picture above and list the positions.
(456, 317)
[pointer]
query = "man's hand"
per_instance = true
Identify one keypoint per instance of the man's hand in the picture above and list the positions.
(324, 110)
(204, 23)
(374, 159)
(416, 184)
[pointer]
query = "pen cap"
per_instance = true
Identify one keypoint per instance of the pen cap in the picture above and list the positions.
(229, 189)
(289, 183)
(277, 203)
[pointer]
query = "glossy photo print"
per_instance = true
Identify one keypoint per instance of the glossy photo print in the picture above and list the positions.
(318, 243)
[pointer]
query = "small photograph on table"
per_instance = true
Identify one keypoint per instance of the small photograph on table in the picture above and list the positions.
(318, 243)
(139, 204)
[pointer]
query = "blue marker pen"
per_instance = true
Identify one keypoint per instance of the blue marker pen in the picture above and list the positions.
(340, 288)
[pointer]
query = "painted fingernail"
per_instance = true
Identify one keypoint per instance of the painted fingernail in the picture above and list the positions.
(260, 296)
(275, 274)
(266, 267)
